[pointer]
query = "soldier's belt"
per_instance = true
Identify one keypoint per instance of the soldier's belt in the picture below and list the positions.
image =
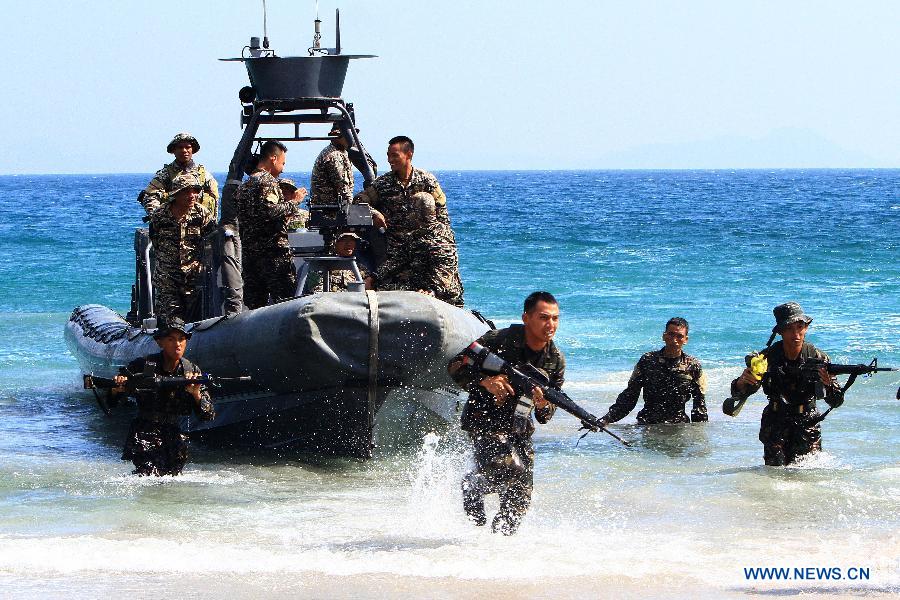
(792, 408)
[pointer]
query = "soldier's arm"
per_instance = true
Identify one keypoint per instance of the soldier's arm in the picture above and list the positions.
(834, 395)
(334, 171)
(443, 263)
(628, 399)
(369, 196)
(557, 378)
(467, 376)
(212, 186)
(275, 207)
(698, 392)
(155, 193)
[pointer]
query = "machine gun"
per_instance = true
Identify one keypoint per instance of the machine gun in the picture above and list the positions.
(810, 369)
(149, 382)
(524, 379)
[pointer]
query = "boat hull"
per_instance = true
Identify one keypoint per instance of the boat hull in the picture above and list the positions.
(333, 373)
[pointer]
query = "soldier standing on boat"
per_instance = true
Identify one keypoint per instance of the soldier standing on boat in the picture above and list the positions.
(389, 195)
(331, 181)
(263, 215)
(155, 442)
(789, 427)
(177, 230)
(428, 262)
(183, 146)
(498, 419)
(670, 378)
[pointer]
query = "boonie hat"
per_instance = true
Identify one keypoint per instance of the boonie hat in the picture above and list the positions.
(167, 326)
(287, 183)
(183, 137)
(184, 181)
(787, 313)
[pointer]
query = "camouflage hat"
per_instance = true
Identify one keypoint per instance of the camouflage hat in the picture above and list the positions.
(184, 181)
(288, 183)
(423, 206)
(787, 313)
(167, 326)
(183, 137)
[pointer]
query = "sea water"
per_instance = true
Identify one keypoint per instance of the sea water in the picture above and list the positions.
(689, 511)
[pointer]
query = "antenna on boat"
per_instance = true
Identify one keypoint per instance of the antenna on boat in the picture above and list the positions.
(265, 29)
(317, 48)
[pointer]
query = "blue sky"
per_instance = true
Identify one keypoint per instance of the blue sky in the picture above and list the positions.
(103, 86)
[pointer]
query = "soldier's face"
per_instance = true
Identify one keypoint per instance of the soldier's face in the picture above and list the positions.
(345, 246)
(173, 345)
(541, 323)
(399, 159)
(187, 197)
(794, 334)
(183, 152)
(675, 338)
(278, 163)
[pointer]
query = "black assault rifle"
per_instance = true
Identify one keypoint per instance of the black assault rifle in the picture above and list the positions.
(809, 369)
(525, 378)
(150, 382)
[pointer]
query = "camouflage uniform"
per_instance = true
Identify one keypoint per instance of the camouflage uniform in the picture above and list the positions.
(504, 454)
(155, 443)
(428, 261)
(157, 192)
(789, 427)
(178, 247)
(263, 214)
(331, 181)
(340, 280)
(668, 384)
(388, 196)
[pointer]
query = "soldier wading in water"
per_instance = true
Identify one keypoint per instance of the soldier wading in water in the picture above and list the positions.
(155, 443)
(789, 427)
(498, 419)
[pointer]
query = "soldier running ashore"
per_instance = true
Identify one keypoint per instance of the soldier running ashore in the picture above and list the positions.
(498, 419)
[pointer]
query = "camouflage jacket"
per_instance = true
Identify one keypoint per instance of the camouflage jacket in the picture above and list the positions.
(482, 414)
(388, 196)
(783, 381)
(263, 214)
(331, 181)
(668, 384)
(157, 192)
(178, 243)
(427, 260)
(339, 280)
(172, 401)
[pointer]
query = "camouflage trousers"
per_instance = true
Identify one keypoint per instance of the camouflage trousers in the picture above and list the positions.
(787, 435)
(155, 448)
(267, 275)
(504, 465)
(176, 297)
